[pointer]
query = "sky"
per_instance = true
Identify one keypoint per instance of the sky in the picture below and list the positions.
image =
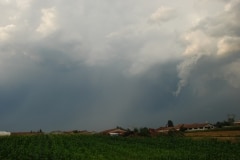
(94, 65)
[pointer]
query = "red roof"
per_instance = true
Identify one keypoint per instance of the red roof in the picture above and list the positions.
(186, 126)
(195, 125)
(115, 130)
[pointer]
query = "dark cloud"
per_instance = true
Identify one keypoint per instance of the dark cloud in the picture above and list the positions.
(208, 91)
(85, 97)
(96, 65)
(96, 98)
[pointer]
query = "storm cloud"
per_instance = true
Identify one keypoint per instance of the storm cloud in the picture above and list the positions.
(96, 65)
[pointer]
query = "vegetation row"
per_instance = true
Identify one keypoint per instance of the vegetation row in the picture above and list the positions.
(96, 147)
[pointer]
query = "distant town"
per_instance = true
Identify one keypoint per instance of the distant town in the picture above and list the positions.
(168, 129)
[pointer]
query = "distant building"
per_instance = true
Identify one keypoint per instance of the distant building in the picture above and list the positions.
(114, 132)
(186, 127)
(236, 123)
(197, 127)
(4, 133)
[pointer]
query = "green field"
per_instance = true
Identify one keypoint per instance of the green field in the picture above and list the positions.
(46, 147)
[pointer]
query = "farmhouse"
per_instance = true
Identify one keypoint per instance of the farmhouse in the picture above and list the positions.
(4, 133)
(237, 123)
(114, 132)
(197, 127)
(186, 127)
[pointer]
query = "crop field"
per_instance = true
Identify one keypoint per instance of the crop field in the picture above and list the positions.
(214, 134)
(232, 136)
(93, 147)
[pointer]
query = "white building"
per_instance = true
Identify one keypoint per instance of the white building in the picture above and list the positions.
(198, 127)
(4, 133)
(237, 123)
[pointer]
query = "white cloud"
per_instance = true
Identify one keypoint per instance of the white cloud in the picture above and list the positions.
(227, 45)
(230, 5)
(199, 43)
(48, 21)
(24, 4)
(184, 71)
(210, 37)
(163, 14)
(5, 32)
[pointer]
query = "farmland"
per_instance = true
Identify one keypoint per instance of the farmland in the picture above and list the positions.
(229, 135)
(122, 148)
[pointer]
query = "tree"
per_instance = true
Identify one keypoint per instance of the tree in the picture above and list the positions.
(170, 123)
(144, 132)
(135, 130)
(40, 131)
